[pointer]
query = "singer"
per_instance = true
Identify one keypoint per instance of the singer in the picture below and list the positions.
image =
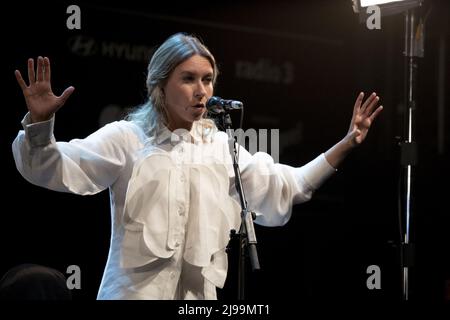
(171, 215)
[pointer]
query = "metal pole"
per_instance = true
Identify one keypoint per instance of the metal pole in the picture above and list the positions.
(413, 36)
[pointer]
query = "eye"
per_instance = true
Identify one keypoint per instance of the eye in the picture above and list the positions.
(207, 80)
(188, 78)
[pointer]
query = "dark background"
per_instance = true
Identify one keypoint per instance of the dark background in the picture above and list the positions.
(298, 66)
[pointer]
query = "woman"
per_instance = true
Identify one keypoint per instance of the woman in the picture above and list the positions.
(167, 242)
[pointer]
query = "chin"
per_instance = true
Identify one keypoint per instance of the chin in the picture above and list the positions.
(197, 117)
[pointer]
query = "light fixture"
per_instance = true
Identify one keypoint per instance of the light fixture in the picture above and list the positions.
(387, 7)
(413, 40)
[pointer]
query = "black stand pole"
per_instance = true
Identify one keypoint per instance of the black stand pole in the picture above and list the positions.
(246, 236)
(408, 148)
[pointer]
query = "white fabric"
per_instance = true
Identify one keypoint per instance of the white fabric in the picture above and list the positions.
(172, 206)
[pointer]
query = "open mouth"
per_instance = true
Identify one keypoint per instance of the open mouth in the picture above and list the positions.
(199, 106)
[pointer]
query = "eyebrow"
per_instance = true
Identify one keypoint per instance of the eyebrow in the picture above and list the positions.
(190, 73)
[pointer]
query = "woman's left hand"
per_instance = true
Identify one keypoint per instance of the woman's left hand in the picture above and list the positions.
(363, 117)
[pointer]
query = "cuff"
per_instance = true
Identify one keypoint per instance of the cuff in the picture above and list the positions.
(317, 171)
(38, 133)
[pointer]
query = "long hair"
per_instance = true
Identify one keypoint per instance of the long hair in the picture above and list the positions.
(174, 51)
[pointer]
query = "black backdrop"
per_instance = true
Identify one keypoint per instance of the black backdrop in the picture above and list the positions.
(298, 66)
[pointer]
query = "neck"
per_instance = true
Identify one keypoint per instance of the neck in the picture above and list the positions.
(172, 125)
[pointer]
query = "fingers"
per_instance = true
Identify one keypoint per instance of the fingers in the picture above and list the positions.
(358, 102)
(40, 69)
(372, 106)
(375, 113)
(66, 94)
(31, 75)
(371, 100)
(47, 69)
(20, 80)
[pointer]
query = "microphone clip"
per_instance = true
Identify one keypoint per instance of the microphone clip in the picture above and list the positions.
(217, 105)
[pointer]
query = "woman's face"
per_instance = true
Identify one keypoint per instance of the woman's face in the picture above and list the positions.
(188, 88)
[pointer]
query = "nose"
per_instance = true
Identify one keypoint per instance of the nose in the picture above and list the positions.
(200, 91)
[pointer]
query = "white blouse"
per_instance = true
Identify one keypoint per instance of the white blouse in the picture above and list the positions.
(173, 203)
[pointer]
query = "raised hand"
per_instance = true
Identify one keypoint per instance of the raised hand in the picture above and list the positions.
(362, 119)
(39, 97)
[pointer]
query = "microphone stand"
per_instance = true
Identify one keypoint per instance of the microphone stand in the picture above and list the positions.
(246, 236)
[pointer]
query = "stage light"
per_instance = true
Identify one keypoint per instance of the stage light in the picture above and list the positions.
(414, 49)
(366, 3)
(387, 7)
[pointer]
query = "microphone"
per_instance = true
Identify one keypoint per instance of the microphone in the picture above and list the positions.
(219, 105)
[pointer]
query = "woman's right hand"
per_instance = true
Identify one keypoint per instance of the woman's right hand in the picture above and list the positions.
(39, 97)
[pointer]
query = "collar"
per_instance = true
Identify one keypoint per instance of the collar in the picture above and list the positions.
(195, 135)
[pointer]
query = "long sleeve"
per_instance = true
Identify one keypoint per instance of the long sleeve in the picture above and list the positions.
(272, 188)
(81, 166)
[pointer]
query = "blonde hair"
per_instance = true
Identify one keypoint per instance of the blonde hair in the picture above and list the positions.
(175, 50)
